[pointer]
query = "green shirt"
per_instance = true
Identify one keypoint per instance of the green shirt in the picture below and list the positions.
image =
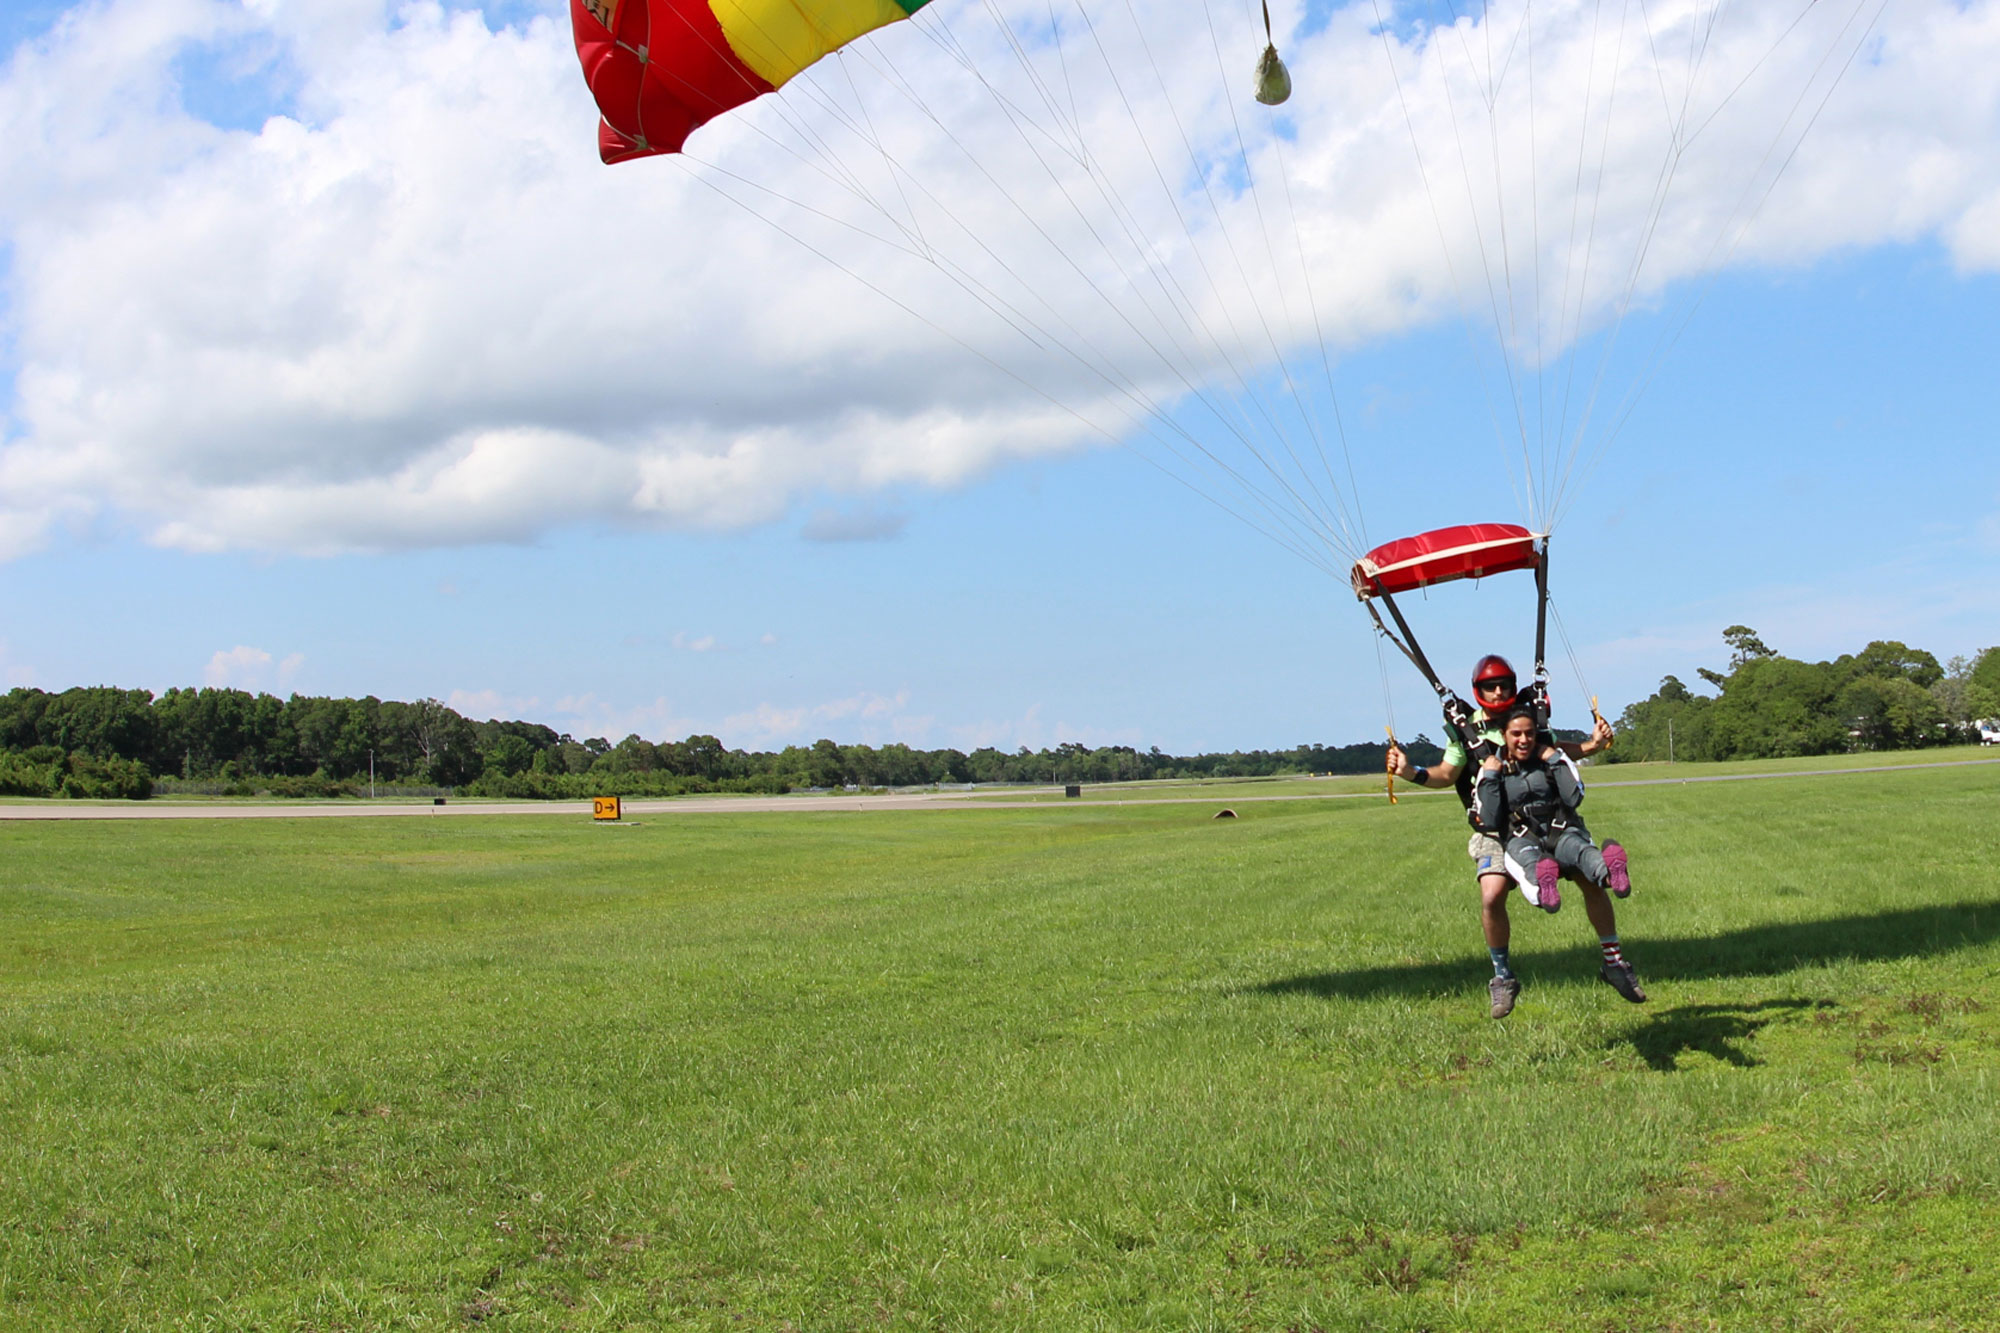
(1489, 731)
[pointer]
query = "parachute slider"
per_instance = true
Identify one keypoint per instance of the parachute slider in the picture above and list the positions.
(1469, 551)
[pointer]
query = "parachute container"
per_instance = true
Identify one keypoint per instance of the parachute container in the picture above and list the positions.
(660, 69)
(1469, 551)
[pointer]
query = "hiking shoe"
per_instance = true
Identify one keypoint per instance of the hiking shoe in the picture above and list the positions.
(1504, 990)
(1621, 978)
(1621, 875)
(1548, 882)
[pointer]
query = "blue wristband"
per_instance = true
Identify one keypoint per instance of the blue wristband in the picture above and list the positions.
(1420, 776)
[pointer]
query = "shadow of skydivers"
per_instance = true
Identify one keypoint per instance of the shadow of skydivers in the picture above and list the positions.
(1753, 951)
(1710, 1029)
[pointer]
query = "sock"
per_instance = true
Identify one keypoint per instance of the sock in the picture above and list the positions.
(1612, 953)
(1500, 968)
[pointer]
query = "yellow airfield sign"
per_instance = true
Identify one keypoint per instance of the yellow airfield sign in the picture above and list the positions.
(604, 807)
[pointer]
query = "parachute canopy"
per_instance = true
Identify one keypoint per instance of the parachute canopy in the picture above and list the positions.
(1469, 551)
(660, 69)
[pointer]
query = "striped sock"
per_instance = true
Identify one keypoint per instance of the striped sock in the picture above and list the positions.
(1500, 968)
(1612, 953)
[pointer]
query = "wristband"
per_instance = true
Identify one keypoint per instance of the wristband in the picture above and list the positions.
(1420, 776)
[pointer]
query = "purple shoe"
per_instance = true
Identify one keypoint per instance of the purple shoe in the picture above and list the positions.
(1621, 877)
(1548, 879)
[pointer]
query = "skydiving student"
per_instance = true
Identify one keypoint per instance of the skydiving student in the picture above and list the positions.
(1493, 686)
(1530, 793)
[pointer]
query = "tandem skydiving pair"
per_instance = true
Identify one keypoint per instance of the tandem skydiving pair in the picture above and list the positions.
(1518, 784)
(1521, 800)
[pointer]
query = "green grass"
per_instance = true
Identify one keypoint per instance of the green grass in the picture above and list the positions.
(1600, 775)
(1099, 1067)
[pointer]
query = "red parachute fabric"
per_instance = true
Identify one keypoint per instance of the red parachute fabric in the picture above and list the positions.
(658, 70)
(1469, 551)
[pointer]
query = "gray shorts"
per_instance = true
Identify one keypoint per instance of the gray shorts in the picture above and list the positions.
(1488, 855)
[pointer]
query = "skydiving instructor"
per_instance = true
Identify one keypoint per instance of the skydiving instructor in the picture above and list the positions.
(1496, 691)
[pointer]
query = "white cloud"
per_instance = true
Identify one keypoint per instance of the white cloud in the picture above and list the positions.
(1033, 732)
(479, 705)
(585, 715)
(247, 668)
(865, 718)
(695, 643)
(415, 311)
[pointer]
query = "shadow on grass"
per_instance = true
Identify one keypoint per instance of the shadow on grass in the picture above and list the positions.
(1707, 1029)
(1753, 951)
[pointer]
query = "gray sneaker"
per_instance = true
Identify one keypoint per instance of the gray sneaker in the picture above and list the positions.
(1504, 990)
(1621, 978)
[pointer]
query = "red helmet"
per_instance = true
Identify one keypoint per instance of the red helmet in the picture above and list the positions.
(1494, 667)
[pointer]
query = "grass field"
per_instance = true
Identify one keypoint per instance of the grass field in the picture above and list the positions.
(1094, 1066)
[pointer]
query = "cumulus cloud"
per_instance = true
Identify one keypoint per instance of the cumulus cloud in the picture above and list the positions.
(585, 715)
(409, 308)
(864, 718)
(480, 705)
(247, 668)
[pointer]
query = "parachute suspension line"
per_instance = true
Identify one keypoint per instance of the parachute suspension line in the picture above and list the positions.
(1572, 317)
(1069, 84)
(874, 139)
(1236, 258)
(1437, 217)
(1348, 499)
(826, 164)
(1655, 212)
(1262, 500)
(1388, 700)
(1502, 315)
(1035, 81)
(1013, 317)
(1543, 347)
(1176, 295)
(1407, 645)
(1304, 552)
(1352, 515)
(1337, 536)
(1351, 511)
(1179, 372)
(1183, 374)
(1741, 217)
(1336, 510)
(1569, 650)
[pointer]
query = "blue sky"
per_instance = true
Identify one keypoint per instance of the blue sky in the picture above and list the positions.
(789, 510)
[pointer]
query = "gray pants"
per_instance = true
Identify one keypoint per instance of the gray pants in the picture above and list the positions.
(1573, 851)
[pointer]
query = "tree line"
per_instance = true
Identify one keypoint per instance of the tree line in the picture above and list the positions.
(106, 742)
(1888, 696)
(103, 741)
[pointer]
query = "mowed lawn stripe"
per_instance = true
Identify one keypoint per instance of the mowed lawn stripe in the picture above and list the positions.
(1129, 1067)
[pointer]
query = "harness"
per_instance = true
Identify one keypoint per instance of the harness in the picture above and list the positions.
(1535, 817)
(1462, 718)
